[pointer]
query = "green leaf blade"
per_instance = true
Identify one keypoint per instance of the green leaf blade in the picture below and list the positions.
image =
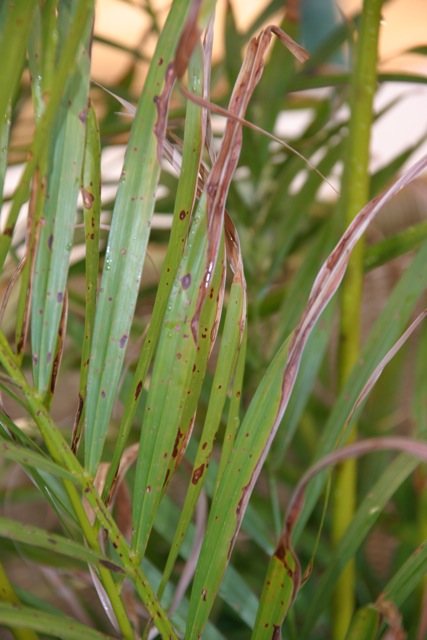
(127, 244)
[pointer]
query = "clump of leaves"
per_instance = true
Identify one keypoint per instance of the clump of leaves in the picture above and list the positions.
(196, 398)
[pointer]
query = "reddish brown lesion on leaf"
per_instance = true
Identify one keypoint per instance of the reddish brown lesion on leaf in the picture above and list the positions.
(197, 474)
(138, 389)
(176, 446)
(88, 198)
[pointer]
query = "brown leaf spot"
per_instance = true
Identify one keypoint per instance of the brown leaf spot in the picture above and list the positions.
(50, 241)
(197, 474)
(123, 341)
(204, 594)
(88, 198)
(103, 394)
(182, 215)
(59, 296)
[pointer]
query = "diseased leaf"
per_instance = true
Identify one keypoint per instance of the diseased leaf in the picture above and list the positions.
(17, 616)
(126, 249)
(34, 536)
(264, 416)
(57, 225)
(175, 385)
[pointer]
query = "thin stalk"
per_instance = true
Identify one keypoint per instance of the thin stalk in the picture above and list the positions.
(61, 453)
(355, 194)
(419, 411)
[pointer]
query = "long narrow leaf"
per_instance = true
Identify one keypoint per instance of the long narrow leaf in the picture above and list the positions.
(175, 385)
(263, 418)
(91, 192)
(56, 236)
(14, 30)
(37, 537)
(127, 244)
(17, 616)
(188, 167)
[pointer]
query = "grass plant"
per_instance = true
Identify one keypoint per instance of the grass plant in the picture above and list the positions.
(180, 380)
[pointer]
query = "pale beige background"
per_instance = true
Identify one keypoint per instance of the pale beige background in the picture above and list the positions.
(404, 24)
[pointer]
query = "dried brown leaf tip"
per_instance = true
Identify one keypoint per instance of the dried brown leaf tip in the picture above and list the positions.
(392, 617)
(219, 179)
(189, 38)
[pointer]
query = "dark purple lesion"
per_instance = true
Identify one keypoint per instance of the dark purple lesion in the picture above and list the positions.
(186, 281)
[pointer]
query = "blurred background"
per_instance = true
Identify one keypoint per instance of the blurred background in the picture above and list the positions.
(403, 28)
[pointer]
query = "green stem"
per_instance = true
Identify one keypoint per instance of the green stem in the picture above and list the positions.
(355, 194)
(62, 454)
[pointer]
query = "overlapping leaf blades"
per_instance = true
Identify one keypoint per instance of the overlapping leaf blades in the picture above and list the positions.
(173, 378)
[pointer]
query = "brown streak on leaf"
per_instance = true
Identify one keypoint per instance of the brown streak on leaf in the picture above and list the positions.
(111, 565)
(162, 105)
(185, 441)
(60, 348)
(189, 38)
(138, 389)
(176, 446)
(218, 182)
(76, 434)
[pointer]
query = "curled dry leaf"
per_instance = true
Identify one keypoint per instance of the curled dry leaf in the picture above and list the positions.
(392, 617)
(415, 448)
(220, 176)
(189, 38)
